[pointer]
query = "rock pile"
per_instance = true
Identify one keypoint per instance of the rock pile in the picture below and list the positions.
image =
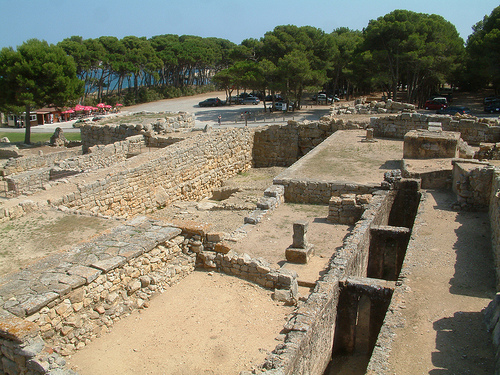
(374, 107)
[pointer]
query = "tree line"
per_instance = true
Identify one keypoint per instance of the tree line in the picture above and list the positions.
(401, 51)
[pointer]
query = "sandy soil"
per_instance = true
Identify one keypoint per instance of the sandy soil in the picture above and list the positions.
(207, 324)
(36, 235)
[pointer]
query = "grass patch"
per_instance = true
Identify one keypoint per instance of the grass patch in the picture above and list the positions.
(38, 137)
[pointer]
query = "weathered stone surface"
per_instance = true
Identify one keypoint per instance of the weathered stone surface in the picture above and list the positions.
(88, 273)
(299, 255)
(109, 264)
(35, 303)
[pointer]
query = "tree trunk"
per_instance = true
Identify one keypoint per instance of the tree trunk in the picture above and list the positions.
(27, 124)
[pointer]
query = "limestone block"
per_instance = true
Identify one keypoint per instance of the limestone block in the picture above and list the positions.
(299, 255)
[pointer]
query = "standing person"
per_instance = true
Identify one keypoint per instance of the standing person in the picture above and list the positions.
(219, 119)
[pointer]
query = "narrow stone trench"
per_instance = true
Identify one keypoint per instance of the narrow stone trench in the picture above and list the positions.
(443, 287)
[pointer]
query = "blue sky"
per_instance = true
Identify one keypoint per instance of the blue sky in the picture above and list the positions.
(236, 20)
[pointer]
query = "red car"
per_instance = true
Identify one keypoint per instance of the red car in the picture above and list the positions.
(436, 103)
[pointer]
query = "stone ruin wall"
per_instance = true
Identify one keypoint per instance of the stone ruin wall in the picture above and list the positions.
(26, 163)
(54, 168)
(347, 208)
(320, 192)
(283, 145)
(473, 131)
(492, 312)
(66, 301)
(105, 134)
(187, 170)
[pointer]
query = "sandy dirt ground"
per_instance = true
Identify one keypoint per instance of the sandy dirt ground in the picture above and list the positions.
(36, 235)
(209, 323)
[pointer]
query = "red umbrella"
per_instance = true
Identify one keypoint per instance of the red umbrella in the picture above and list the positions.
(107, 106)
(88, 108)
(68, 111)
(79, 107)
(118, 105)
(101, 105)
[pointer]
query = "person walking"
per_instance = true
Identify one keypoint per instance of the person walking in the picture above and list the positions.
(219, 119)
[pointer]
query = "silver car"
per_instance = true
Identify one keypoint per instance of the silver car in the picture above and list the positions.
(251, 100)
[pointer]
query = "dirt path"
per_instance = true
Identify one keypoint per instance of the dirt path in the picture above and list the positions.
(451, 280)
(209, 323)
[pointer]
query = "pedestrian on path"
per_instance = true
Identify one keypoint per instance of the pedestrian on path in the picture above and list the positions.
(218, 119)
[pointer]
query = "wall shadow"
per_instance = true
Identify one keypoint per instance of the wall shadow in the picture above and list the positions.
(463, 346)
(474, 266)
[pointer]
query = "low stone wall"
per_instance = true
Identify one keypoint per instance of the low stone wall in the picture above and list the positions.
(29, 181)
(26, 163)
(472, 130)
(425, 144)
(374, 107)
(60, 304)
(93, 134)
(320, 192)
(472, 182)
(308, 344)
(492, 320)
(187, 170)
(494, 212)
(101, 156)
(284, 145)
(347, 209)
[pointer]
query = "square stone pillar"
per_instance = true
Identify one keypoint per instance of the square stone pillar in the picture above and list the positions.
(300, 251)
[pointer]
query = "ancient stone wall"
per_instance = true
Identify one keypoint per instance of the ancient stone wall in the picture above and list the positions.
(320, 192)
(187, 170)
(472, 182)
(472, 130)
(276, 146)
(307, 348)
(66, 300)
(100, 156)
(26, 163)
(347, 209)
(93, 134)
(494, 212)
(284, 145)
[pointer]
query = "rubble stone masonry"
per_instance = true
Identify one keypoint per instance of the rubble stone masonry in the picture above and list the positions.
(187, 170)
(474, 131)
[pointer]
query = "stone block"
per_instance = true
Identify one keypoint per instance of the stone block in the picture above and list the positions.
(88, 273)
(222, 247)
(299, 234)
(299, 255)
(424, 144)
(109, 264)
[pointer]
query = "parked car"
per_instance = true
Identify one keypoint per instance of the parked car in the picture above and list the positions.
(453, 110)
(493, 106)
(97, 118)
(280, 106)
(235, 100)
(251, 100)
(323, 98)
(211, 102)
(436, 103)
(277, 98)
